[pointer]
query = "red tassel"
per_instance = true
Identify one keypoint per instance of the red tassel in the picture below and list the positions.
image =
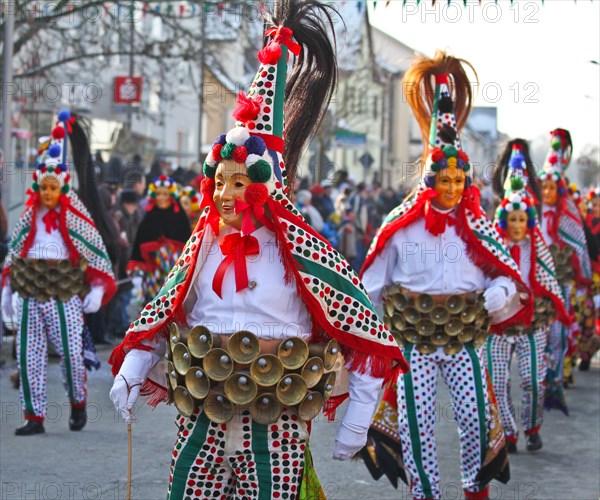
(270, 54)
(246, 108)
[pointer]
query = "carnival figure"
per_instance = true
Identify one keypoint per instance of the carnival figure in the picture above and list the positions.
(563, 231)
(517, 221)
(259, 307)
(60, 269)
(442, 274)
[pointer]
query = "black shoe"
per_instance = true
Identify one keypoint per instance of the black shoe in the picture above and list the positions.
(78, 419)
(511, 447)
(30, 428)
(534, 442)
(584, 365)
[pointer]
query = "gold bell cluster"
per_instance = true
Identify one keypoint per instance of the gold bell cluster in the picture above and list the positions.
(43, 279)
(544, 313)
(432, 321)
(562, 263)
(227, 374)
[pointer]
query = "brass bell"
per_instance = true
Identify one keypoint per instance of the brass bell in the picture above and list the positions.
(468, 315)
(424, 303)
(553, 247)
(387, 321)
(479, 302)
(64, 296)
(64, 267)
(312, 371)
(266, 370)
(218, 408)
(439, 338)
(197, 383)
(293, 352)
(411, 315)
(218, 365)
(453, 347)
(453, 327)
(52, 289)
(183, 401)
(329, 351)
(291, 389)
(561, 259)
(326, 385)
(53, 274)
(467, 334)
(398, 322)
(174, 333)
(169, 391)
(400, 301)
(411, 336)
(172, 374)
(479, 339)
(480, 319)
(244, 347)
(539, 305)
(18, 264)
(40, 266)
(181, 358)
(42, 281)
(265, 409)
(399, 339)
(511, 331)
(568, 250)
(426, 348)
(240, 389)
(425, 327)
(41, 296)
(455, 304)
(388, 308)
(440, 315)
(310, 406)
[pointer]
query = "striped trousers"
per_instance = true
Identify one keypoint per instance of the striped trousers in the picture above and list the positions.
(60, 323)
(237, 460)
(465, 379)
(529, 350)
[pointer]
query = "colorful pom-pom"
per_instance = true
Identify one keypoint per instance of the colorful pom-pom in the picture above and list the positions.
(35, 186)
(58, 133)
(437, 154)
(270, 54)
(255, 146)
(429, 181)
(238, 136)
(54, 151)
(246, 110)
(516, 184)
(208, 171)
(256, 194)
(450, 152)
(556, 144)
(65, 188)
(463, 156)
(260, 171)
(221, 139)
(240, 154)
(64, 115)
(208, 186)
(466, 166)
(227, 151)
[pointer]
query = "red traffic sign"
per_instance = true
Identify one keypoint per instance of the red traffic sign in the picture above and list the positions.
(128, 90)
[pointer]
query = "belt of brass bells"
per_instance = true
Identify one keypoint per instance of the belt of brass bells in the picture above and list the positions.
(226, 376)
(544, 313)
(43, 279)
(562, 263)
(432, 321)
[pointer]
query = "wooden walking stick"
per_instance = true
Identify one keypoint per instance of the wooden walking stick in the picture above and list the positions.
(129, 457)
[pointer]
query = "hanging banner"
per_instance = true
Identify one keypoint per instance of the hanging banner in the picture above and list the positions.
(127, 90)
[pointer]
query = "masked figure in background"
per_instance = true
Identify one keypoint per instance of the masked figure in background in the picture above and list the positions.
(269, 302)
(159, 239)
(517, 222)
(564, 234)
(59, 266)
(190, 202)
(442, 274)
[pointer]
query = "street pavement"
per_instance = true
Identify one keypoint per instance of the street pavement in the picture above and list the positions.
(92, 464)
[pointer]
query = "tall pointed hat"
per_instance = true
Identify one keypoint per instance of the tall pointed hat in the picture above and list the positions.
(558, 159)
(516, 195)
(445, 150)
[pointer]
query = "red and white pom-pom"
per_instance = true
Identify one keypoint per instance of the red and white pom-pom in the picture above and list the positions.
(58, 133)
(240, 154)
(257, 194)
(216, 153)
(246, 108)
(207, 187)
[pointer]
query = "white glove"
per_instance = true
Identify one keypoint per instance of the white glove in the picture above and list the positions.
(597, 301)
(496, 298)
(352, 432)
(93, 300)
(7, 307)
(129, 380)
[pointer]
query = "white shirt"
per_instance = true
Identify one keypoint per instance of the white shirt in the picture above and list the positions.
(271, 310)
(424, 263)
(50, 246)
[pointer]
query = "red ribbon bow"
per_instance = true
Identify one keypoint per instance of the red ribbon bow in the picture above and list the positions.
(51, 220)
(283, 36)
(235, 248)
(435, 221)
(515, 252)
(552, 219)
(69, 124)
(249, 210)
